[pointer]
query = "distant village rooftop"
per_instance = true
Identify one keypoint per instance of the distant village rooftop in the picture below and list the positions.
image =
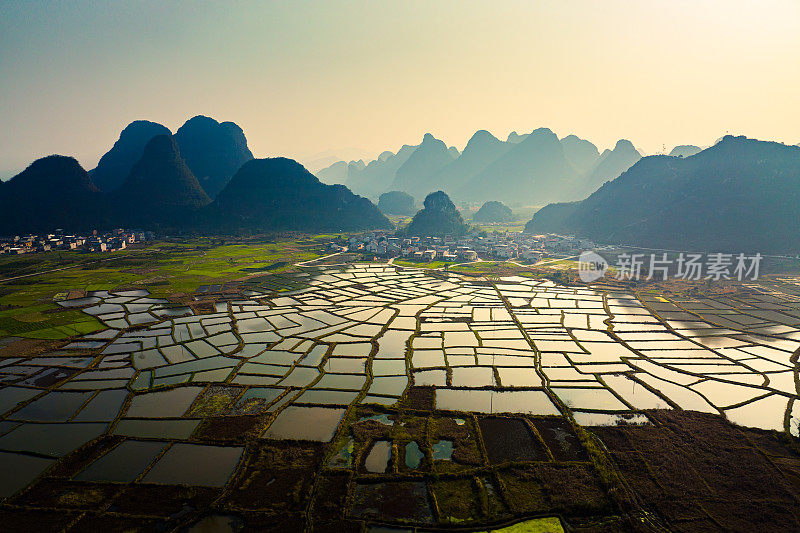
(117, 239)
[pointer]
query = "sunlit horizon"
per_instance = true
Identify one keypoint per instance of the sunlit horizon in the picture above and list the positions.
(353, 79)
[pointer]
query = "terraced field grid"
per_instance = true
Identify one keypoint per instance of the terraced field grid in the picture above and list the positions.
(331, 398)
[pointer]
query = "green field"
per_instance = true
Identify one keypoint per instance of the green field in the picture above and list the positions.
(421, 264)
(164, 268)
(515, 226)
(487, 267)
(480, 268)
(569, 264)
(399, 220)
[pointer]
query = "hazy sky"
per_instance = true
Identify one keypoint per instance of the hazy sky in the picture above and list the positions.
(306, 77)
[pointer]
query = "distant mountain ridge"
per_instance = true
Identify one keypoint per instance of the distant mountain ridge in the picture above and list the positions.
(740, 195)
(371, 180)
(481, 151)
(415, 175)
(685, 150)
(162, 186)
(535, 169)
(581, 154)
(609, 165)
(526, 169)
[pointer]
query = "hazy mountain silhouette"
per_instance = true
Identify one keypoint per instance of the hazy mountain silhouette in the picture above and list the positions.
(482, 150)
(319, 163)
(356, 166)
(493, 212)
(334, 173)
(685, 150)
(53, 192)
(740, 195)
(439, 217)
(160, 186)
(552, 218)
(533, 171)
(116, 164)
(515, 138)
(611, 164)
(581, 154)
(396, 203)
(214, 151)
(280, 194)
(320, 160)
(527, 170)
(372, 180)
(415, 175)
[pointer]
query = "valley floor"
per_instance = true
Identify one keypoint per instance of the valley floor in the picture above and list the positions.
(210, 385)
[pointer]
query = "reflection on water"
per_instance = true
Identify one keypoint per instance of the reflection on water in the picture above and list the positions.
(488, 401)
(50, 439)
(218, 523)
(79, 302)
(378, 458)
(305, 423)
(19, 470)
(607, 419)
(164, 404)
(124, 463)
(284, 365)
(344, 457)
(195, 464)
(443, 450)
(413, 455)
(383, 419)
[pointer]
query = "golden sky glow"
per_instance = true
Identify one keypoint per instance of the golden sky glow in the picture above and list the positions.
(307, 77)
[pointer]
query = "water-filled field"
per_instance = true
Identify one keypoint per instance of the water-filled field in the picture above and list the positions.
(379, 395)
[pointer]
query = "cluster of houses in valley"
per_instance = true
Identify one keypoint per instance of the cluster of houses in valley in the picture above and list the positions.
(516, 246)
(117, 239)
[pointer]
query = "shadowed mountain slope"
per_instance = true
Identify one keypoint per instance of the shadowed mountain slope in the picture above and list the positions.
(581, 154)
(371, 180)
(396, 203)
(493, 212)
(481, 151)
(416, 175)
(280, 194)
(116, 164)
(439, 217)
(739, 195)
(610, 164)
(160, 186)
(535, 170)
(213, 150)
(53, 192)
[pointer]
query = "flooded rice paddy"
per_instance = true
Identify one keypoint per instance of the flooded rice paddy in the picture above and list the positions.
(344, 378)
